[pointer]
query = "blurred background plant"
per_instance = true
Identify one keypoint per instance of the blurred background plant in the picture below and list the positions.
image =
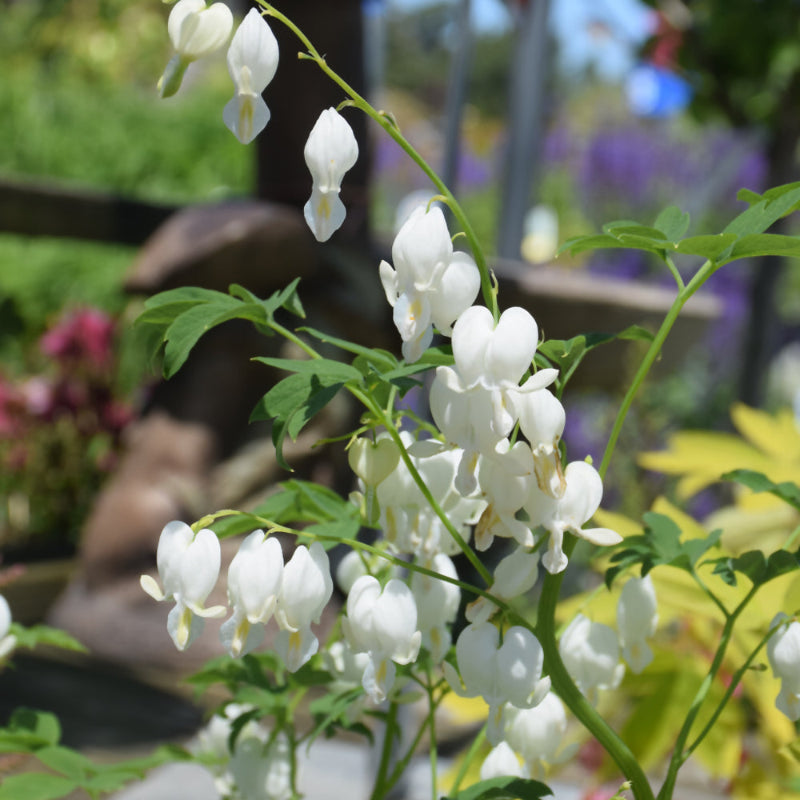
(60, 433)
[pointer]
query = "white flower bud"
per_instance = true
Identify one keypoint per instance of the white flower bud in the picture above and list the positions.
(783, 652)
(501, 762)
(330, 151)
(591, 655)
(637, 617)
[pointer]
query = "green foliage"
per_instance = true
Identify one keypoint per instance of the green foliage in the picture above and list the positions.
(786, 490)
(659, 544)
(755, 566)
(38, 733)
(496, 788)
(743, 237)
(567, 355)
(36, 635)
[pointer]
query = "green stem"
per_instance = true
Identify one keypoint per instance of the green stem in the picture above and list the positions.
(467, 760)
(489, 296)
(380, 789)
(433, 741)
(700, 277)
(711, 596)
(566, 689)
(681, 753)
(735, 680)
(675, 274)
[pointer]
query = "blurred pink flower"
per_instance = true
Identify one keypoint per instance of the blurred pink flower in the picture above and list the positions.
(83, 336)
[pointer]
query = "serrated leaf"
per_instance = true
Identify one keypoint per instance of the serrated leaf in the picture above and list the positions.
(672, 222)
(506, 787)
(710, 247)
(36, 786)
(758, 482)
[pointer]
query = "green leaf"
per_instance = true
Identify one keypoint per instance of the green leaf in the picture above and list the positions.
(68, 762)
(191, 295)
(28, 730)
(710, 247)
(36, 786)
(765, 213)
(757, 567)
(383, 360)
(765, 244)
(506, 787)
(758, 482)
(660, 544)
(330, 714)
(36, 635)
(748, 196)
(327, 369)
(672, 222)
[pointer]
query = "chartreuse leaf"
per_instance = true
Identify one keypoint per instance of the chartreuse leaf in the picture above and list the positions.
(507, 787)
(787, 491)
(660, 544)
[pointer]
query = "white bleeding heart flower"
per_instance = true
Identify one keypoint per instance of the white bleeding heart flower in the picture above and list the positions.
(330, 151)
(507, 673)
(437, 604)
(383, 624)
(306, 588)
(431, 285)
(590, 653)
(542, 419)
(252, 63)
(537, 734)
(783, 652)
(195, 32)
(188, 566)
(568, 513)
(254, 582)
(637, 617)
(501, 762)
(7, 640)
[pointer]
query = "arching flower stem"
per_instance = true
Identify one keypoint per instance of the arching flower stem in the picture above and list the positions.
(389, 125)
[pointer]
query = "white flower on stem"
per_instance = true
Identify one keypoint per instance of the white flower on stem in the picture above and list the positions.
(188, 566)
(537, 735)
(431, 285)
(590, 652)
(382, 623)
(252, 63)
(501, 762)
(262, 771)
(195, 32)
(437, 605)
(783, 652)
(330, 151)
(254, 582)
(513, 576)
(306, 588)
(542, 419)
(372, 462)
(505, 480)
(581, 498)
(510, 673)
(637, 617)
(474, 404)
(7, 640)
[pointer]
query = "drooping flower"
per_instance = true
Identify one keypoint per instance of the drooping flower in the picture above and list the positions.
(542, 419)
(637, 617)
(431, 285)
(188, 566)
(262, 771)
(254, 581)
(437, 605)
(581, 498)
(382, 623)
(590, 652)
(513, 576)
(783, 652)
(330, 151)
(195, 32)
(501, 762)
(252, 63)
(510, 673)
(306, 588)
(7, 640)
(537, 735)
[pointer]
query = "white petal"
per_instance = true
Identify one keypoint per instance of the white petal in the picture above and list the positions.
(324, 213)
(501, 762)
(199, 567)
(389, 282)
(331, 150)
(600, 536)
(472, 333)
(512, 346)
(520, 660)
(583, 494)
(245, 116)
(172, 544)
(296, 647)
(422, 248)
(456, 291)
(255, 47)
(197, 31)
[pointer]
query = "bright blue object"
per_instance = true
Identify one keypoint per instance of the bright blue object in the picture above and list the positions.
(656, 92)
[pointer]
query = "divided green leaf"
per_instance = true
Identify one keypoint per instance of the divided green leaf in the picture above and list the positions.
(506, 787)
(787, 491)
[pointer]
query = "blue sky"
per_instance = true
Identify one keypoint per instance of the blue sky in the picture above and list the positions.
(488, 15)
